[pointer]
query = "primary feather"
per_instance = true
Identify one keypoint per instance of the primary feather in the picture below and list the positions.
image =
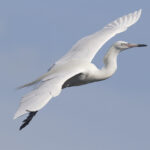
(87, 47)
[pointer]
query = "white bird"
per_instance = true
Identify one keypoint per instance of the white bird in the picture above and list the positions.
(75, 68)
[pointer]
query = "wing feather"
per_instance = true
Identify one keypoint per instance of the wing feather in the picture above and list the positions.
(49, 87)
(39, 97)
(87, 47)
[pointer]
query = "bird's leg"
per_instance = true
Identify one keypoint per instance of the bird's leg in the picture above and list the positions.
(28, 119)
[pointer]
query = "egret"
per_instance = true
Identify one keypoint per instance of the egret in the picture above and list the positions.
(75, 68)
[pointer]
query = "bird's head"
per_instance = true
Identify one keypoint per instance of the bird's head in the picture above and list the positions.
(121, 45)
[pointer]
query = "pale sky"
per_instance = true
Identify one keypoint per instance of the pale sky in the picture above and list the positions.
(110, 115)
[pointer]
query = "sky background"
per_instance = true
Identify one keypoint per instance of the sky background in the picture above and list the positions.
(110, 115)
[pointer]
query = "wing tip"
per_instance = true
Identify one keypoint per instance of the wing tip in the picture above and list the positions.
(19, 114)
(139, 12)
(136, 14)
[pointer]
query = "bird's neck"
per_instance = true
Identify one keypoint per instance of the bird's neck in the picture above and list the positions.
(110, 64)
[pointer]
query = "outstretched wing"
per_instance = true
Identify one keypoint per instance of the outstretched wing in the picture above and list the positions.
(49, 87)
(87, 47)
(39, 97)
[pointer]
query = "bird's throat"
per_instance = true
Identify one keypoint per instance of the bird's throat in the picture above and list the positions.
(110, 63)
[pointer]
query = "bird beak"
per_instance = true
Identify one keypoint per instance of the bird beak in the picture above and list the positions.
(136, 45)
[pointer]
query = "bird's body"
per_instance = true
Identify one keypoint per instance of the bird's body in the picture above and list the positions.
(76, 68)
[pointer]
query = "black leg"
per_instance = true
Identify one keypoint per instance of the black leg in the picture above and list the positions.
(28, 119)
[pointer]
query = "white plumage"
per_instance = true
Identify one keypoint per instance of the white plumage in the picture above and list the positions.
(75, 68)
(90, 45)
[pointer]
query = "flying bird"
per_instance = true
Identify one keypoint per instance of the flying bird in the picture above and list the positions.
(75, 68)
